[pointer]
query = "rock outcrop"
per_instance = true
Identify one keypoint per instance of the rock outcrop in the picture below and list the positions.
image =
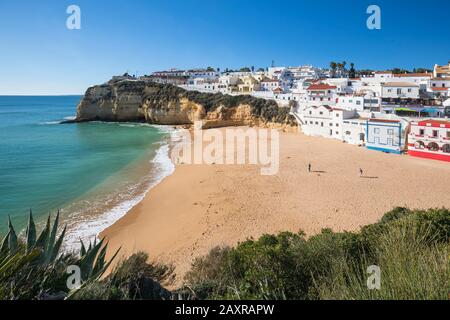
(167, 104)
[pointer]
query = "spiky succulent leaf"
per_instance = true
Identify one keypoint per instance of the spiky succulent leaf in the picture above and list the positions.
(57, 245)
(31, 232)
(82, 249)
(100, 261)
(43, 237)
(87, 262)
(106, 266)
(52, 237)
(12, 239)
(4, 247)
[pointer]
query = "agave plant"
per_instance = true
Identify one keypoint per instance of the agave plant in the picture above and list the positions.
(35, 268)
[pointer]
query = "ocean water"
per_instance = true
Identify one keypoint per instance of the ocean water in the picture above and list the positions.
(94, 172)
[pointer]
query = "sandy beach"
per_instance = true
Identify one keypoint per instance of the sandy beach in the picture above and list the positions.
(203, 206)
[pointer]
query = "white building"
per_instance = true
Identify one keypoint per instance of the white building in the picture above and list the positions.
(430, 139)
(383, 75)
(268, 84)
(321, 94)
(399, 90)
(387, 135)
(420, 79)
(359, 102)
(324, 121)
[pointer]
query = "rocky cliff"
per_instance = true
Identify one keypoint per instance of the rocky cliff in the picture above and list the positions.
(167, 104)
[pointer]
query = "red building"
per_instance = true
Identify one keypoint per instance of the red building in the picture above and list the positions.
(430, 139)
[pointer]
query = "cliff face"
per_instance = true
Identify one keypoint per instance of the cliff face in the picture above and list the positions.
(171, 105)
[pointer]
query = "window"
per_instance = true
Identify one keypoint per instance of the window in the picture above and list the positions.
(409, 90)
(435, 133)
(321, 124)
(358, 103)
(337, 124)
(448, 134)
(390, 132)
(321, 112)
(376, 130)
(347, 133)
(399, 91)
(337, 132)
(310, 112)
(421, 132)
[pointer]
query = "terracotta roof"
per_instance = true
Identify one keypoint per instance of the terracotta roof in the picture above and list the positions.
(439, 89)
(320, 87)
(434, 123)
(408, 75)
(400, 84)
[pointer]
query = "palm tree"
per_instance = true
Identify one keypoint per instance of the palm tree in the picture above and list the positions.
(352, 73)
(333, 66)
(339, 68)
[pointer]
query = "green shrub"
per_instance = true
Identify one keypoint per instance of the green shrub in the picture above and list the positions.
(410, 247)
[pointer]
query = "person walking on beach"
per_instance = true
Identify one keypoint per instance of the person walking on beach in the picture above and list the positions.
(361, 172)
(309, 167)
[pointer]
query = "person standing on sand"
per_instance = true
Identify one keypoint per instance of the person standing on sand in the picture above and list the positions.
(361, 172)
(309, 167)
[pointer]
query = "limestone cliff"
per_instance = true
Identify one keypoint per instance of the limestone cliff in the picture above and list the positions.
(171, 105)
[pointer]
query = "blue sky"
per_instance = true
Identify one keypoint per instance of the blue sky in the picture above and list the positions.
(39, 55)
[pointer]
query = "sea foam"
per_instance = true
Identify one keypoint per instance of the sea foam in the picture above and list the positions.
(92, 226)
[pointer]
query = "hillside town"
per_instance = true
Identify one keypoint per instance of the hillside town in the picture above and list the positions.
(395, 111)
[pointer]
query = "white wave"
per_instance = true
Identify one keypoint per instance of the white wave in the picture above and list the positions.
(93, 226)
(49, 123)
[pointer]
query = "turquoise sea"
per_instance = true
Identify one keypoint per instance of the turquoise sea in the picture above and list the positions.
(93, 172)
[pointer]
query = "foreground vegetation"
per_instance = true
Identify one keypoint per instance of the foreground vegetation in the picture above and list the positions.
(411, 248)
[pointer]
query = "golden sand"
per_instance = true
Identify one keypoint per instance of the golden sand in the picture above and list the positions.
(203, 206)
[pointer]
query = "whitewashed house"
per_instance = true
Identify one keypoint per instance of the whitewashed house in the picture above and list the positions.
(366, 101)
(325, 121)
(387, 135)
(268, 84)
(321, 94)
(400, 90)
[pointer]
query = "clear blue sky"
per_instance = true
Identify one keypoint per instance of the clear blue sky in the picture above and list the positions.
(39, 55)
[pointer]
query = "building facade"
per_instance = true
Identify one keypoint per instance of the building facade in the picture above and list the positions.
(387, 135)
(430, 139)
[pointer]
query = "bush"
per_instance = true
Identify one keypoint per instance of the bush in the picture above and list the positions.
(410, 247)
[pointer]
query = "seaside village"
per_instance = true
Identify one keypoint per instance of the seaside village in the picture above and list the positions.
(394, 111)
